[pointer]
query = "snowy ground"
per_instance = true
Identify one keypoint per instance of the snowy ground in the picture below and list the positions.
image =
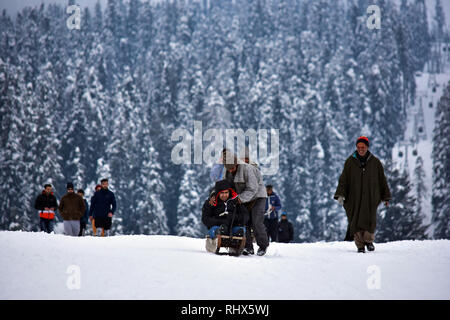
(42, 266)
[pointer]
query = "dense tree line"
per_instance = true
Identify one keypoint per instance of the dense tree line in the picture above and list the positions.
(78, 105)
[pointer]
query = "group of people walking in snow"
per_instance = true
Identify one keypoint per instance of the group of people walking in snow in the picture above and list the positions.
(75, 210)
(239, 188)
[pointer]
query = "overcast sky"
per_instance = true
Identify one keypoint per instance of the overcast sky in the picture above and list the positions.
(12, 6)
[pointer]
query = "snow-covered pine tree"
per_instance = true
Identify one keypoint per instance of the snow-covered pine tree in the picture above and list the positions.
(441, 168)
(420, 189)
(15, 205)
(438, 34)
(421, 42)
(400, 220)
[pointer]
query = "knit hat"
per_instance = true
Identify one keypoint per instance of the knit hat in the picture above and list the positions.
(223, 185)
(69, 185)
(363, 139)
(283, 213)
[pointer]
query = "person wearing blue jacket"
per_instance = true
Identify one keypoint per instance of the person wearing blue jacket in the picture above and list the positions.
(103, 206)
(217, 172)
(85, 218)
(273, 205)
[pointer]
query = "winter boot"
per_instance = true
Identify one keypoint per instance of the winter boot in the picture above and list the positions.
(223, 230)
(370, 246)
(261, 251)
(361, 250)
(247, 252)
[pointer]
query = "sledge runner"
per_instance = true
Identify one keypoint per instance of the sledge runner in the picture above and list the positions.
(225, 218)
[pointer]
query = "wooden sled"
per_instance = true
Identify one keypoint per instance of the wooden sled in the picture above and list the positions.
(233, 245)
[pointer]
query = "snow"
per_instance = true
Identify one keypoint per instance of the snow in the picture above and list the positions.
(424, 147)
(319, 149)
(45, 266)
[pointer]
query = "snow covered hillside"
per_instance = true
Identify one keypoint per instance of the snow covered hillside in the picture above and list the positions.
(43, 266)
(419, 134)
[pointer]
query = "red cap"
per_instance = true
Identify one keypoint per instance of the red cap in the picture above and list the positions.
(363, 139)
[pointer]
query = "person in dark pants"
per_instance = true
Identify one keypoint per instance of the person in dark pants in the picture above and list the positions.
(46, 204)
(85, 218)
(273, 205)
(252, 193)
(362, 187)
(285, 229)
(103, 206)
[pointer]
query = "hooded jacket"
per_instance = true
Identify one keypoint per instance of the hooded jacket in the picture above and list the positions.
(224, 212)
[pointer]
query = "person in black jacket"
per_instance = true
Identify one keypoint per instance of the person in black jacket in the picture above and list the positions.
(222, 212)
(103, 206)
(85, 218)
(285, 229)
(46, 204)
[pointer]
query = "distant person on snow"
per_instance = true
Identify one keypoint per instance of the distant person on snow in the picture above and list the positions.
(273, 205)
(362, 187)
(103, 206)
(94, 229)
(222, 213)
(71, 208)
(217, 170)
(252, 193)
(46, 204)
(85, 218)
(285, 229)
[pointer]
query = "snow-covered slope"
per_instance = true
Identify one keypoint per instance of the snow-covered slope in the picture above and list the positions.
(43, 266)
(422, 144)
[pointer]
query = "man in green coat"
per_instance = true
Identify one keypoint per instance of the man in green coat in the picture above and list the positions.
(362, 187)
